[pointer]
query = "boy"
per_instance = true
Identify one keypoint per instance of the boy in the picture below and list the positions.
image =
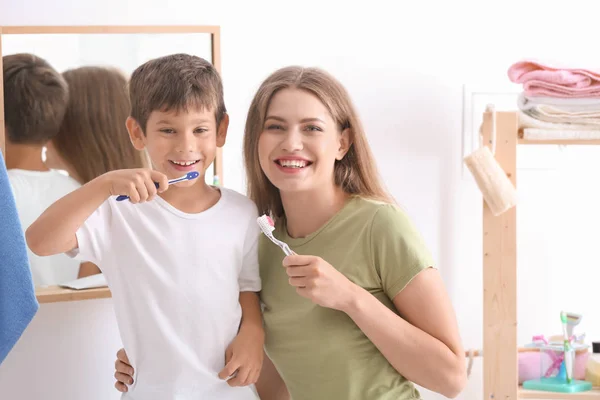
(35, 101)
(181, 260)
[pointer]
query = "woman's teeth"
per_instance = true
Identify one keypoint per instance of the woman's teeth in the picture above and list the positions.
(293, 163)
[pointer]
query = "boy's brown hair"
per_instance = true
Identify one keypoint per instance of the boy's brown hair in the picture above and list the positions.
(176, 81)
(35, 99)
(93, 138)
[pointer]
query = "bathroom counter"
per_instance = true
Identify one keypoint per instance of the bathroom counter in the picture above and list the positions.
(54, 294)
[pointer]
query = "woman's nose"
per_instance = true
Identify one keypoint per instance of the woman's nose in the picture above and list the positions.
(292, 141)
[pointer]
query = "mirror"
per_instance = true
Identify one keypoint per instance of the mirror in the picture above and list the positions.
(121, 47)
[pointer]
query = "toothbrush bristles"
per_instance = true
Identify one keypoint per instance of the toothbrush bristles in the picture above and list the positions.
(266, 224)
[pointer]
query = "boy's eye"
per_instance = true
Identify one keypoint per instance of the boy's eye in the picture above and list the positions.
(200, 130)
(167, 130)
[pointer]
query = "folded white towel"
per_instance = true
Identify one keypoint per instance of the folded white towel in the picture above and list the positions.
(557, 134)
(582, 114)
(527, 121)
(577, 104)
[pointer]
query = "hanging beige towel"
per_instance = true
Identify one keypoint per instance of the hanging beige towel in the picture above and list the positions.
(498, 191)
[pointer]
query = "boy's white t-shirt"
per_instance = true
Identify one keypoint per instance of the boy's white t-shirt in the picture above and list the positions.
(175, 280)
(34, 192)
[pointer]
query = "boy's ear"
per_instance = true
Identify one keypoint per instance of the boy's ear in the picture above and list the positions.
(136, 134)
(222, 130)
(345, 143)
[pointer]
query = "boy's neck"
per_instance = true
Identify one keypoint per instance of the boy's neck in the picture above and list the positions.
(24, 156)
(306, 212)
(194, 199)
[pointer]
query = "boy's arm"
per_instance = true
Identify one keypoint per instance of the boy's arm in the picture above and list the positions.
(87, 269)
(55, 230)
(251, 314)
(244, 356)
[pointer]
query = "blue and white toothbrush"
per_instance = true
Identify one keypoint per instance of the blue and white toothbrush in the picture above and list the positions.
(187, 177)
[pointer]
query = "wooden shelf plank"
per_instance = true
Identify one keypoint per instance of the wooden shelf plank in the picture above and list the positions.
(593, 394)
(54, 294)
(561, 141)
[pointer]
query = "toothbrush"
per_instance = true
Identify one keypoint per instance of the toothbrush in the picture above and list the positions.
(187, 177)
(568, 350)
(267, 227)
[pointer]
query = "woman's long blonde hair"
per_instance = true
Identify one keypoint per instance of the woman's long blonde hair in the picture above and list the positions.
(93, 138)
(356, 173)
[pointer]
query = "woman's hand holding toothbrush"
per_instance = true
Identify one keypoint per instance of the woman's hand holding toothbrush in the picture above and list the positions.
(317, 280)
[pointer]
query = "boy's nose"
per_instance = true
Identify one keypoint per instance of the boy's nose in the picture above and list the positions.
(186, 143)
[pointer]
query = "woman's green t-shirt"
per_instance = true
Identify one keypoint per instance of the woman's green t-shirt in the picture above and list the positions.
(321, 353)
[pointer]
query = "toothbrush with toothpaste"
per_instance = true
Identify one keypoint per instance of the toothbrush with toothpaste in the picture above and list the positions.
(187, 177)
(267, 226)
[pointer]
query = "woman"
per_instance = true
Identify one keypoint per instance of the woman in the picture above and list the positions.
(358, 312)
(93, 139)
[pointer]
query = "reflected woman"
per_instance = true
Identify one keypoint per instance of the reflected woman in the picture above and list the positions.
(93, 139)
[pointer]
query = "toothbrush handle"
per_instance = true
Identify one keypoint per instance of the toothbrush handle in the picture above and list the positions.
(125, 197)
(286, 249)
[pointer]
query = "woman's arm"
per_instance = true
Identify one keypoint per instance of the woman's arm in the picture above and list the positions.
(424, 347)
(270, 386)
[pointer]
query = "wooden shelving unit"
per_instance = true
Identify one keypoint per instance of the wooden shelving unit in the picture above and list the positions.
(500, 363)
(54, 294)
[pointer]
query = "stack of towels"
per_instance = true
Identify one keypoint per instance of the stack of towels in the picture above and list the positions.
(557, 103)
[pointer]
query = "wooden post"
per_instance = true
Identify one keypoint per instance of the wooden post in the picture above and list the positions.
(500, 273)
(216, 57)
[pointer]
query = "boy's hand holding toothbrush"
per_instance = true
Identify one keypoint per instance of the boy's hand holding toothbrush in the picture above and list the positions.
(55, 230)
(139, 185)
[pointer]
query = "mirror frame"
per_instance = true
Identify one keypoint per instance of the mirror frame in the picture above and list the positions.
(214, 31)
(54, 294)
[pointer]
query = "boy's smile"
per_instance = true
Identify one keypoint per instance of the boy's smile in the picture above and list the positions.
(180, 141)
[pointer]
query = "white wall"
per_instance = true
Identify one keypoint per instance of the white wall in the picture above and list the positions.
(404, 64)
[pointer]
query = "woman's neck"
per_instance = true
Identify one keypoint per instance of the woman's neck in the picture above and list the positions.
(306, 212)
(23, 156)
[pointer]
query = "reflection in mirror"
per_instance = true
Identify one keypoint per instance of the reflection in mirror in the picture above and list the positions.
(57, 142)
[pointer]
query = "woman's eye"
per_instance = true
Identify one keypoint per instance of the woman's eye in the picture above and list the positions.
(314, 128)
(274, 127)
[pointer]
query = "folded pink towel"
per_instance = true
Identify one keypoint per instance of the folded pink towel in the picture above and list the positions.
(544, 80)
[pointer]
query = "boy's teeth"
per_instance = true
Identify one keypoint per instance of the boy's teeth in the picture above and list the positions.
(293, 163)
(184, 162)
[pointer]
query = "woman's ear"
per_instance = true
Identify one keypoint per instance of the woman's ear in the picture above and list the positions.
(136, 134)
(345, 143)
